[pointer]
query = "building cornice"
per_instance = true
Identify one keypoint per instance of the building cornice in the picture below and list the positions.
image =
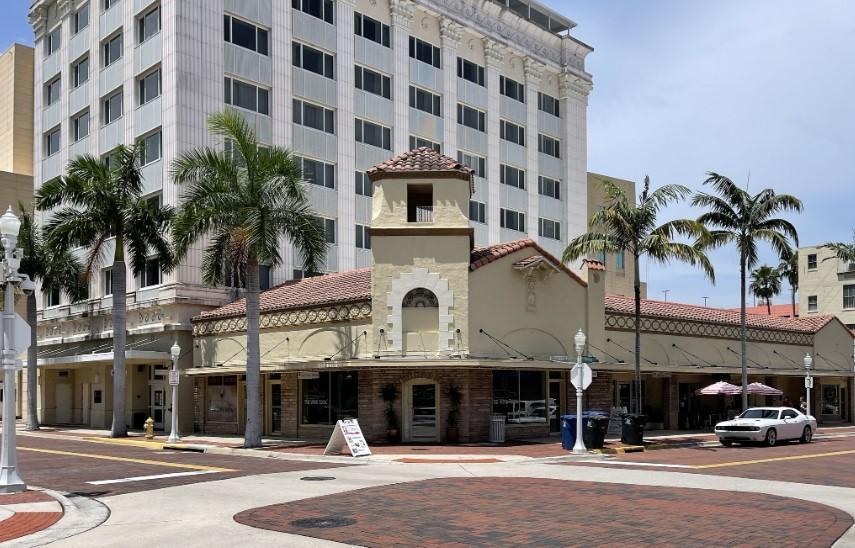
(358, 310)
(37, 17)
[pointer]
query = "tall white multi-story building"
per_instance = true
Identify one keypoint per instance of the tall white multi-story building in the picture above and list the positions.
(345, 84)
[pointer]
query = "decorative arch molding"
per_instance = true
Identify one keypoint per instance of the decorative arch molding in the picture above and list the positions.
(415, 279)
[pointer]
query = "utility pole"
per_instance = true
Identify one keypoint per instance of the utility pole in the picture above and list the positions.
(705, 301)
(666, 291)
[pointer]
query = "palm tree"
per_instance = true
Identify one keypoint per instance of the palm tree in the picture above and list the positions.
(57, 271)
(843, 251)
(244, 200)
(742, 219)
(765, 284)
(622, 226)
(789, 270)
(101, 201)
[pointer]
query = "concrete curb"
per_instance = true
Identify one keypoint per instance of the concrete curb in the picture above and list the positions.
(80, 514)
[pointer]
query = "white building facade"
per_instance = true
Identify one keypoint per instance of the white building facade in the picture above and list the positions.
(345, 84)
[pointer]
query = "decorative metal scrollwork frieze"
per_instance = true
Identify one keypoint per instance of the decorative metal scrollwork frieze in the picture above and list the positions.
(287, 318)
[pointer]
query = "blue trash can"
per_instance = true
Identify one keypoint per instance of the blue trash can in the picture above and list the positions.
(568, 431)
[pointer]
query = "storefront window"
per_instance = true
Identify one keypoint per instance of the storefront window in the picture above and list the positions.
(222, 399)
(831, 400)
(520, 396)
(330, 397)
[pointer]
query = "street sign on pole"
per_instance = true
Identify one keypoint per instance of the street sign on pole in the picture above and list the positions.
(22, 335)
(808, 382)
(581, 376)
(173, 377)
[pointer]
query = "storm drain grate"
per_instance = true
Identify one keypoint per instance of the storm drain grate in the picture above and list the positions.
(323, 523)
(317, 478)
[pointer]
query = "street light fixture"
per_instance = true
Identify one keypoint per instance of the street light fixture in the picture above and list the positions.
(578, 378)
(175, 352)
(10, 225)
(808, 380)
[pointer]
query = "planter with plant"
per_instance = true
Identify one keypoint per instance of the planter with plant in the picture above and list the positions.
(389, 393)
(452, 430)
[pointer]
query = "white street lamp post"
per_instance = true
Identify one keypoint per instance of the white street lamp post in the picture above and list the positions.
(175, 351)
(808, 380)
(10, 225)
(579, 339)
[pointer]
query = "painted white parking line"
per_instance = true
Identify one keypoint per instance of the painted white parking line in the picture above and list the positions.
(158, 476)
(629, 463)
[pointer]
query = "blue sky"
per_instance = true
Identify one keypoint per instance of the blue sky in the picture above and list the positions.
(760, 89)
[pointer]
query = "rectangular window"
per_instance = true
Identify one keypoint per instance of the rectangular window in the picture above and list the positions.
(80, 72)
(110, 3)
(151, 148)
(511, 219)
(363, 238)
(811, 261)
(112, 50)
(424, 52)
(247, 96)
(848, 296)
(245, 34)
(151, 273)
(329, 398)
(549, 187)
(149, 87)
(112, 108)
(471, 117)
(373, 134)
(512, 88)
(314, 116)
(520, 396)
(548, 104)
(317, 173)
(547, 228)
(620, 260)
(477, 211)
(477, 163)
(52, 91)
(80, 126)
(418, 142)
(373, 82)
(421, 99)
(548, 145)
(512, 132)
(328, 227)
(322, 9)
(313, 60)
(52, 297)
(812, 303)
(107, 281)
(364, 186)
(52, 41)
(512, 176)
(371, 29)
(80, 19)
(52, 142)
(148, 25)
(470, 71)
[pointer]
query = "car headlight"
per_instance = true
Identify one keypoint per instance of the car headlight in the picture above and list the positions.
(755, 428)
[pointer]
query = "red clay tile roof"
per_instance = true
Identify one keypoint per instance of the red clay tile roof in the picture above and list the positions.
(659, 309)
(339, 287)
(485, 255)
(594, 264)
(421, 160)
(781, 310)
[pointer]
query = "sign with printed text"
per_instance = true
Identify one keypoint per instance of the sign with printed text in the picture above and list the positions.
(173, 377)
(808, 382)
(348, 433)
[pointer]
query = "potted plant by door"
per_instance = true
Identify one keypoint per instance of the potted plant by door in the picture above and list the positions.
(389, 393)
(452, 430)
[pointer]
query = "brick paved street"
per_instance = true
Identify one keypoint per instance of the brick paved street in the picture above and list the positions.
(523, 511)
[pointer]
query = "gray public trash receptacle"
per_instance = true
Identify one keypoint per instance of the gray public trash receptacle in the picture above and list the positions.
(497, 428)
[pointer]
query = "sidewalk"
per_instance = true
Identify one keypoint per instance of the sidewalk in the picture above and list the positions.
(26, 513)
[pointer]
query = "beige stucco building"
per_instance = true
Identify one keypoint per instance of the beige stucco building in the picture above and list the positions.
(826, 285)
(435, 312)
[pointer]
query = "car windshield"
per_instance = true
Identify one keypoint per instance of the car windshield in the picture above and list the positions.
(760, 414)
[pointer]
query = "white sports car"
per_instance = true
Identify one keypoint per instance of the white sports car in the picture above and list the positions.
(768, 425)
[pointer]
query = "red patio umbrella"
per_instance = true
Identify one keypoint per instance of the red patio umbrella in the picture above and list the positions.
(760, 389)
(719, 388)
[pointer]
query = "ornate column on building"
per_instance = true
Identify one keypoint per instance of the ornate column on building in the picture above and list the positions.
(64, 8)
(38, 20)
(402, 14)
(451, 34)
(346, 152)
(493, 56)
(574, 92)
(533, 74)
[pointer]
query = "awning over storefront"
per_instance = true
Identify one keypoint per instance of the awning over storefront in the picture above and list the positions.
(137, 350)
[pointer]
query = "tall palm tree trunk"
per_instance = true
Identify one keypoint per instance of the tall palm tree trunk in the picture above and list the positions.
(793, 296)
(119, 429)
(743, 333)
(252, 433)
(769, 306)
(32, 372)
(637, 288)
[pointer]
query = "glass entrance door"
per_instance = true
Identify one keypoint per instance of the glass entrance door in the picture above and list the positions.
(423, 419)
(553, 406)
(274, 408)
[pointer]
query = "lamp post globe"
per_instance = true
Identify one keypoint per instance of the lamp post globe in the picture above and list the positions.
(579, 339)
(175, 353)
(10, 225)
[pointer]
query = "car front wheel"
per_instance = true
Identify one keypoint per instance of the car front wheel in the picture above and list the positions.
(771, 437)
(807, 435)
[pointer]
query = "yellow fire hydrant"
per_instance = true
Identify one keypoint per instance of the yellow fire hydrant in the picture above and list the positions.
(149, 428)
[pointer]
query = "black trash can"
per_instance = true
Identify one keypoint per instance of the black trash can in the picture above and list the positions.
(632, 428)
(595, 426)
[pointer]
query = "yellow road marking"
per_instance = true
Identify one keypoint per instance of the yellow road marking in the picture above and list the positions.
(773, 459)
(127, 459)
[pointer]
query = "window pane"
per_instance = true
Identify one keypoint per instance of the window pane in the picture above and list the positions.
(245, 96)
(243, 34)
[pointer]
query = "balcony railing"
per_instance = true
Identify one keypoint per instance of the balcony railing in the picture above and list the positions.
(424, 214)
